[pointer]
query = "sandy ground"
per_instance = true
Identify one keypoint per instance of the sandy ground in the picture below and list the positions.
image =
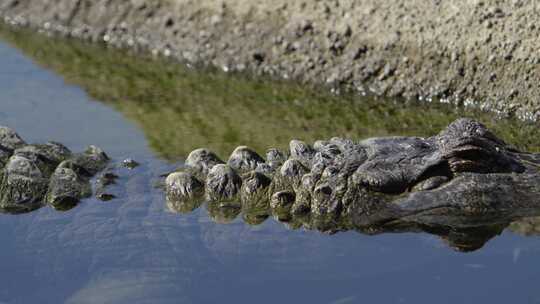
(473, 52)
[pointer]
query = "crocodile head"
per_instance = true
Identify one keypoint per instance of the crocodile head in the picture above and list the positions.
(464, 177)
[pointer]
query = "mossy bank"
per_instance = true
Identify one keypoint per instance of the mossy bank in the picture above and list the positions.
(481, 53)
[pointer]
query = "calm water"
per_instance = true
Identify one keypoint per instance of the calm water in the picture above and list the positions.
(132, 250)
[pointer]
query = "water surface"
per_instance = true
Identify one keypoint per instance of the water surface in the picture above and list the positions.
(133, 250)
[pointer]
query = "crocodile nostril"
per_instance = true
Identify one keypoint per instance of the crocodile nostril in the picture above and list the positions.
(324, 190)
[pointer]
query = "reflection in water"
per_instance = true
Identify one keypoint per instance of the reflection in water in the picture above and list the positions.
(529, 226)
(180, 109)
(465, 234)
(129, 250)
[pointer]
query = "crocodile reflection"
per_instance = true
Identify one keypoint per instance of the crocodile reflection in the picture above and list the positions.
(464, 184)
(465, 238)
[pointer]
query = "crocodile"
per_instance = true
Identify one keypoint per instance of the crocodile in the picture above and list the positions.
(460, 182)
(34, 175)
(463, 184)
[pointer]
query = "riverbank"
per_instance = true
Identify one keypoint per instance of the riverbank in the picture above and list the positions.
(479, 53)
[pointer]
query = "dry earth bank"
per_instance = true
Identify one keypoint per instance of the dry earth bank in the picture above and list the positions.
(472, 52)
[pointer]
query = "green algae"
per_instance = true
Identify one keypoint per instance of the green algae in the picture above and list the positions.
(180, 109)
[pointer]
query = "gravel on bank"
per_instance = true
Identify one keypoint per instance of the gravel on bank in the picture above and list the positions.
(484, 53)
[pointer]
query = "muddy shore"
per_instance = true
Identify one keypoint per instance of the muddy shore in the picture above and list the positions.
(479, 53)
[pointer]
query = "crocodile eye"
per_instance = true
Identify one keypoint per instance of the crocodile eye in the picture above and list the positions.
(431, 183)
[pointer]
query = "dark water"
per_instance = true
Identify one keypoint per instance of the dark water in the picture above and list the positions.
(132, 250)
